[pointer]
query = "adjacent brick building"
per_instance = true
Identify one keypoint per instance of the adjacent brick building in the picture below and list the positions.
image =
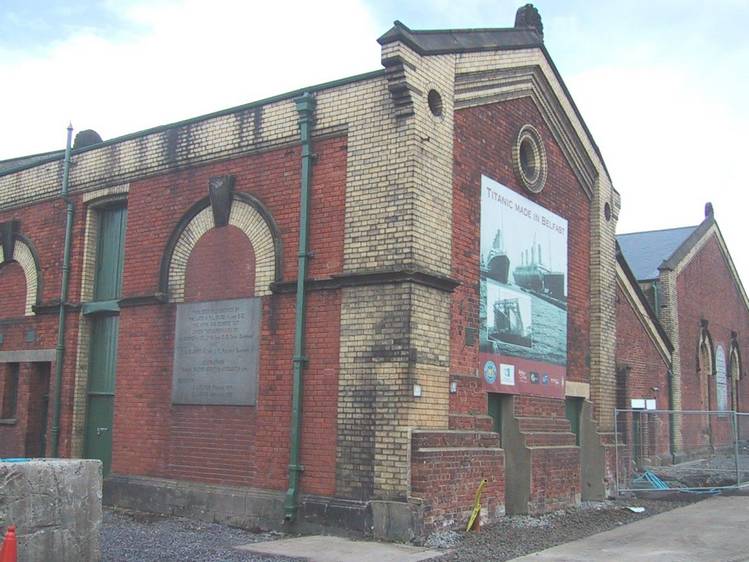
(688, 276)
(462, 293)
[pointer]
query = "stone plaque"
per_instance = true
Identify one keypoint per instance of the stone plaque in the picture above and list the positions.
(216, 350)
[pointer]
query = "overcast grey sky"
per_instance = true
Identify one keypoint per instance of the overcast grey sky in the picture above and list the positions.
(661, 84)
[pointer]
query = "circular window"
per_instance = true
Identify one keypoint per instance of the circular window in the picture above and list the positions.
(529, 159)
(434, 99)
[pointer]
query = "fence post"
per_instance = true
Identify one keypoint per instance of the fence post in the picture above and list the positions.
(616, 452)
(736, 447)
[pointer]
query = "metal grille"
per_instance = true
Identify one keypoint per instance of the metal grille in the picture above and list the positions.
(681, 450)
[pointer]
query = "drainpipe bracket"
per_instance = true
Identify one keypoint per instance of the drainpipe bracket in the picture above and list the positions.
(300, 359)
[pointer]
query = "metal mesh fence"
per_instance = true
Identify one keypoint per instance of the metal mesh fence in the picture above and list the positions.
(681, 450)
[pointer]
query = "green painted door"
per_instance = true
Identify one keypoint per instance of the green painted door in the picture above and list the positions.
(110, 254)
(573, 409)
(101, 379)
(495, 411)
(105, 322)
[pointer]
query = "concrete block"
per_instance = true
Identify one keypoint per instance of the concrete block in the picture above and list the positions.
(55, 506)
(395, 521)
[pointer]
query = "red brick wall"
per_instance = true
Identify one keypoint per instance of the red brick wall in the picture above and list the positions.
(446, 470)
(12, 290)
(706, 290)
(555, 479)
(22, 435)
(241, 445)
(221, 266)
(640, 369)
(483, 141)
(212, 443)
(43, 224)
(536, 406)
(144, 440)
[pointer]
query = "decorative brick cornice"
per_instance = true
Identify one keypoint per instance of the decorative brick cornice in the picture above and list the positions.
(491, 85)
(398, 86)
(141, 300)
(369, 278)
(53, 307)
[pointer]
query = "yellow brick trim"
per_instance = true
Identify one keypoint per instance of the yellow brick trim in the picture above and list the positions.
(80, 389)
(247, 219)
(106, 192)
(25, 258)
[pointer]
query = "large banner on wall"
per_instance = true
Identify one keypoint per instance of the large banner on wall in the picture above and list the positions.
(523, 304)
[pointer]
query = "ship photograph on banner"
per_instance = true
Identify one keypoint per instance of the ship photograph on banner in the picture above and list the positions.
(523, 304)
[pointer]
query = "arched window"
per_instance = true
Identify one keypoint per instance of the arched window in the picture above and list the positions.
(705, 366)
(248, 219)
(734, 374)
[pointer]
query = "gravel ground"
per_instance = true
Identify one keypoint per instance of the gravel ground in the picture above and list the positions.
(519, 535)
(138, 537)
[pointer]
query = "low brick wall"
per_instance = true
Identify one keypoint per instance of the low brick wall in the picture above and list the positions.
(56, 508)
(447, 468)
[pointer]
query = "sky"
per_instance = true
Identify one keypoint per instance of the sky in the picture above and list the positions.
(661, 84)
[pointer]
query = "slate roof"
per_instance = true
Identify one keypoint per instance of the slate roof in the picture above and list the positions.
(645, 251)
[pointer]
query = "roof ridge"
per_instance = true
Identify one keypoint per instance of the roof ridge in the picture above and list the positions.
(36, 155)
(658, 230)
(468, 29)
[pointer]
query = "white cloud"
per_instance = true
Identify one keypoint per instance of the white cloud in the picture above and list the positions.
(670, 119)
(187, 58)
(671, 145)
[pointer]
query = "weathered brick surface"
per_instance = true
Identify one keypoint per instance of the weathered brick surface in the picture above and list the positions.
(484, 137)
(13, 294)
(555, 478)
(247, 445)
(640, 369)
(706, 275)
(232, 444)
(446, 470)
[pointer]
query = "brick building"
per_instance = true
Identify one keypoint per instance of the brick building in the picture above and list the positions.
(450, 223)
(687, 275)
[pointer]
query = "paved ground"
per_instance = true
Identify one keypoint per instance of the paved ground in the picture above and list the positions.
(711, 530)
(716, 529)
(518, 535)
(337, 549)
